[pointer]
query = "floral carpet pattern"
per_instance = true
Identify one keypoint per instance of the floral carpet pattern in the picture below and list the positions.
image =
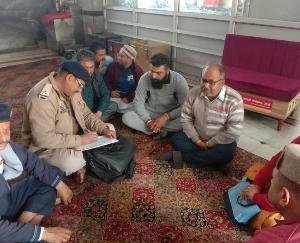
(159, 204)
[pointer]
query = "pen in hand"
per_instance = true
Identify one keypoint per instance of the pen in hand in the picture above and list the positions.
(85, 130)
(88, 136)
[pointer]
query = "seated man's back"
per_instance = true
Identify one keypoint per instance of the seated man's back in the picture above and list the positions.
(284, 194)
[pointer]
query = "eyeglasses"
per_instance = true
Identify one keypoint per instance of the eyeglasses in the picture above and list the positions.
(210, 82)
(79, 83)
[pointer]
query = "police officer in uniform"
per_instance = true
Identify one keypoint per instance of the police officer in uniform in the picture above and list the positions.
(57, 119)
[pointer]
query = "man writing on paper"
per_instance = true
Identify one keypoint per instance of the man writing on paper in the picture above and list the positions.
(56, 116)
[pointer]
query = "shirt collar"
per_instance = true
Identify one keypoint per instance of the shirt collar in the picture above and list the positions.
(221, 95)
(55, 87)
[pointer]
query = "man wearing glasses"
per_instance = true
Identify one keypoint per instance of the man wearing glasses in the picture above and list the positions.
(56, 117)
(211, 117)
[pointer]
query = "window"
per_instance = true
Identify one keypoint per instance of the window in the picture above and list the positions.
(220, 7)
(121, 3)
(157, 4)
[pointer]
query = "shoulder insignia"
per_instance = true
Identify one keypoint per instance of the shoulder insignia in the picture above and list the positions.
(45, 91)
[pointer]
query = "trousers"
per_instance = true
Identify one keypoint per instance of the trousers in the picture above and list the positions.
(217, 156)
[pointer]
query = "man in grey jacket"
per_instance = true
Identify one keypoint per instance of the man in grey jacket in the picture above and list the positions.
(25, 200)
(158, 99)
(212, 117)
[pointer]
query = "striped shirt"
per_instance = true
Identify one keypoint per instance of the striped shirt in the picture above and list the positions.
(218, 121)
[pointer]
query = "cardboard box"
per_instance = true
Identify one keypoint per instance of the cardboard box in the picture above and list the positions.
(146, 49)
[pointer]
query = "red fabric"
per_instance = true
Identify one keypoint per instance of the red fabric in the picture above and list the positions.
(263, 180)
(211, 3)
(113, 72)
(282, 232)
(49, 18)
(264, 84)
(261, 199)
(263, 66)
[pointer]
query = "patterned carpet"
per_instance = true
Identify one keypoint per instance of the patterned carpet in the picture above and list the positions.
(159, 204)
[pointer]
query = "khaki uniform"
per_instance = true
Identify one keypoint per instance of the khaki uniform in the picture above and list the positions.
(52, 122)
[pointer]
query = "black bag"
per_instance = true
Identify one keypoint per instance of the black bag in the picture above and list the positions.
(113, 160)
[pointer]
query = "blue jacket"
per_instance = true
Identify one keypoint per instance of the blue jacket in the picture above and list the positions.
(41, 170)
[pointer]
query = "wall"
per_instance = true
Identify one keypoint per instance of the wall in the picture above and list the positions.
(198, 38)
(92, 15)
(19, 20)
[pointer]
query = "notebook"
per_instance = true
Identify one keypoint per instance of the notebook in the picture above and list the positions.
(101, 141)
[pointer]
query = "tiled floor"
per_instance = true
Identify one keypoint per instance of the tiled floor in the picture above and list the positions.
(260, 137)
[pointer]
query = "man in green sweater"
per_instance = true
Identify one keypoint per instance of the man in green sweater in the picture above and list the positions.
(95, 93)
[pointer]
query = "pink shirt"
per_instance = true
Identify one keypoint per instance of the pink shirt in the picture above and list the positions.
(284, 231)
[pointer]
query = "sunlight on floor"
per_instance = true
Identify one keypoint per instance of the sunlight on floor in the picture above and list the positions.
(260, 137)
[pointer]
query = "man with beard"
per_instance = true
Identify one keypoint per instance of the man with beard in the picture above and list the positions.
(284, 193)
(122, 78)
(158, 99)
(211, 118)
(102, 60)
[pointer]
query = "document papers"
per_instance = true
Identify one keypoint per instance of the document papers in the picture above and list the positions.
(101, 141)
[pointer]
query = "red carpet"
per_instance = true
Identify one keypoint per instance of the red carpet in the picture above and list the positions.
(159, 204)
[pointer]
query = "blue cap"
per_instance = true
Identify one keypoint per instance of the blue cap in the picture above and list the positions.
(76, 69)
(5, 111)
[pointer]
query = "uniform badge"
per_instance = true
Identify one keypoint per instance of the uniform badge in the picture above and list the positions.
(45, 91)
(61, 107)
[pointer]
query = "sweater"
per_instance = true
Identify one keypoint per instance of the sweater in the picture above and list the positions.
(169, 98)
(113, 73)
(96, 94)
(216, 122)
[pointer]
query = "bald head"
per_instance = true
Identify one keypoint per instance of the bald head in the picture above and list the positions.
(213, 79)
(215, 67)
(284, 192)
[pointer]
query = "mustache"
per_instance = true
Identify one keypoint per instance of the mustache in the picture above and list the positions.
(5, 142)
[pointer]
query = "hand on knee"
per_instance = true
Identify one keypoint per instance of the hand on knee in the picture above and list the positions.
(29, 217)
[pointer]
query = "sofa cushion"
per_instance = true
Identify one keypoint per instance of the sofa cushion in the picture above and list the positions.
(278, 57)
(264, 84)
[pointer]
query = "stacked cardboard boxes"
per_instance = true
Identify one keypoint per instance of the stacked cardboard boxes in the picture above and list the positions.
(146, 49)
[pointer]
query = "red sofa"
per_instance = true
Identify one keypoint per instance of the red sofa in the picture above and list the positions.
(266, 72)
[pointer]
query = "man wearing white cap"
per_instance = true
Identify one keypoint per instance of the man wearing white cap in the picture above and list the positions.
(284, 193)
(122, 78)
